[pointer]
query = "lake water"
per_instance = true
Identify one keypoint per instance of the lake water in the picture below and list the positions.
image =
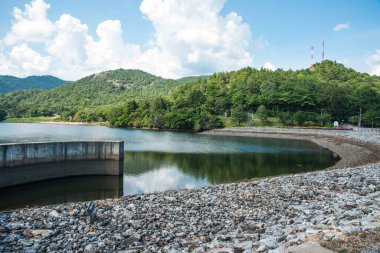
(161, 160)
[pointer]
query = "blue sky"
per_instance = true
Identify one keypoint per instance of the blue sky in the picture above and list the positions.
(174, 38)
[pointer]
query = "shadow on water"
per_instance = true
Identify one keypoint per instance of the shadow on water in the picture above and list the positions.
(54, 191)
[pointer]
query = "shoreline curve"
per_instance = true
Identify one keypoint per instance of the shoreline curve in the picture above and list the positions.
(352, 151)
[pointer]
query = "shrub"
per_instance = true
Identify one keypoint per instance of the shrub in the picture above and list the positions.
(324, 118)
(302, 117)
(286, 118)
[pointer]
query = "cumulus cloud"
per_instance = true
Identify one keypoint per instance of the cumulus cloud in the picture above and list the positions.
(110, 51)
(373, 62)
(342, 26)
(31, 24)
(68, 42)
(30, 61)
(269, 66)
(195, 35)
(190, 37)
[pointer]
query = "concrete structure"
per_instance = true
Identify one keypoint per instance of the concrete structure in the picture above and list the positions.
(30, 162)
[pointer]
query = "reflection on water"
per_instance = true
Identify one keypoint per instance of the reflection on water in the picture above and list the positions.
(157, 171)
(61, 190)
(160, 160)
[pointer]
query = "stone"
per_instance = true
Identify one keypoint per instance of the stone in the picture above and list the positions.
(54, 214)
(89, 248)
(328, 236)
(269, 243)
(308, 247)
(262, 248)
(170, 198)
(350, 229)
(41, 233)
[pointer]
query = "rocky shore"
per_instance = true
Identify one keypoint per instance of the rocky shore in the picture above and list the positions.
(331, 207)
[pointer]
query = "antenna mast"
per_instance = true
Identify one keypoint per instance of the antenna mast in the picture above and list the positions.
(323, 47)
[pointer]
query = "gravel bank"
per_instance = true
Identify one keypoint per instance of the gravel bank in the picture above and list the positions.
(264, 215)
(253, 216)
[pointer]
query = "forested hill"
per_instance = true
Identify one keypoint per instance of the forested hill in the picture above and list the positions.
(105, 88)
(12, 83)
(132, 98)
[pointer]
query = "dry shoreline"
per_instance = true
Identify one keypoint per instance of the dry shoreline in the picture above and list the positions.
(352, 152)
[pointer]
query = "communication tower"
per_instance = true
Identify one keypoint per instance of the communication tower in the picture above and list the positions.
(312, 59)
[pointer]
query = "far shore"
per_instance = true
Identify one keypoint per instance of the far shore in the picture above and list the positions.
(353, 152)
(70, 123)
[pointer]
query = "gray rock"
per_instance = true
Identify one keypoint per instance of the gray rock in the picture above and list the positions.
(54, 214)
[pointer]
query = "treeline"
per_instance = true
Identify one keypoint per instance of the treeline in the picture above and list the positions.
(331, 92)
(248, 97)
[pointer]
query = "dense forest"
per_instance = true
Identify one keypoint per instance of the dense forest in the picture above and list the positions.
(106, 88)
(244, 97)
(12, 83)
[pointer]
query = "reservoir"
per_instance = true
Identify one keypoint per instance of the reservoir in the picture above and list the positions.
(160, 160)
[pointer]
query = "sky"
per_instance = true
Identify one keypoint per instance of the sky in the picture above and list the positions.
(71, 39)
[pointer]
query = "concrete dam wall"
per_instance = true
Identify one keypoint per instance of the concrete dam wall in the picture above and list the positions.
(31, 162)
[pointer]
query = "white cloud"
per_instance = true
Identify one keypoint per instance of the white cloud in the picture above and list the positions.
(342, 26)
(111, 51)
(269, 66)
(30, 61)
(197, 37)
(68, 43)
(31, 24)
(190, 38)
(5, 64)
(374, 63)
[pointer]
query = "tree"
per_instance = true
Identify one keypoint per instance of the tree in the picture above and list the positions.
(239, 115)
(262, 113)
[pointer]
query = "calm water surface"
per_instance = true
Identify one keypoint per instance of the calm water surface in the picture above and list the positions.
(161, 160)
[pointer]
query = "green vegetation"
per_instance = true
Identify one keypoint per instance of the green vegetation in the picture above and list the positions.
(11, 83)
(188, 79)
(132, 98)
(31, 119)
(106, 88)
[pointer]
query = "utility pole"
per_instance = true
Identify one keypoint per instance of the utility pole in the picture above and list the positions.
(360, 118)
(321, 117)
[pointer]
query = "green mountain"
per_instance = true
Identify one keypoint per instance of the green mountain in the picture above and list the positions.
(105, 88)
(133, 98)
(12, 83)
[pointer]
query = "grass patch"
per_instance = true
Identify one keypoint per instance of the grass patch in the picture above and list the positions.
(31, 119)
